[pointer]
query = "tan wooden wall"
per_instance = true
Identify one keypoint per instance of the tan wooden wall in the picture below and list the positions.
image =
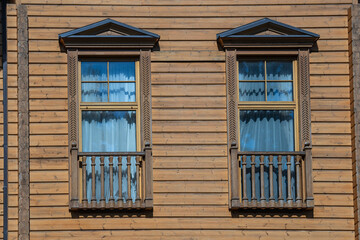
(189, 120)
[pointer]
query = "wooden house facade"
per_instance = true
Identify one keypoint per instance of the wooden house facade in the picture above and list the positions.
(187, 173)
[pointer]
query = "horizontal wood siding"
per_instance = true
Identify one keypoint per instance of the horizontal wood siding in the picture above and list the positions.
(189, 121)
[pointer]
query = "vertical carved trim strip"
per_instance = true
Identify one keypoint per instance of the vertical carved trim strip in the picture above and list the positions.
(145, 81)
(23, 108)
(73, 125)
(304, 91)
(232, 99)
(72, 93)
(232, 120)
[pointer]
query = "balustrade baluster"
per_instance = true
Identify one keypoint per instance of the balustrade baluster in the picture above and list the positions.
(120, 200)
(271, 180)
(84, 198)
(93, 193)
(137, 201)
(289, 197)
(245, 198)
(102, 180)
(128, 199)
(262, 181)
(111, 198)
(281, 199)
(298, 181)
(253, 189)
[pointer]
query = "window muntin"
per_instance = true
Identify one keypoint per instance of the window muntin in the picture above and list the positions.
(260, 113)
(110, 121)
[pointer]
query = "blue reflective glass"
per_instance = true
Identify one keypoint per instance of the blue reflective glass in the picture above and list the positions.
(280, 91)
(93, 71)
(266, 130)
(279, 70)
(252, 91)
(122, 92)
(121, 71)
(94, 92)
(251, 70)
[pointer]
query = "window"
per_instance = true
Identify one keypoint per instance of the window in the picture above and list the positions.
(268, 112)
(109, 117)
(109, 81)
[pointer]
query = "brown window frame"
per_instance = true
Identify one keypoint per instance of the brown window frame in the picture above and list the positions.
(248, 41)
(105, 39)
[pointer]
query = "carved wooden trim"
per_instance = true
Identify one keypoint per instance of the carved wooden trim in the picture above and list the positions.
(145, 81)
(145, 86)
(73, 105)
(304, 97)
(232, 121)
(23, 108)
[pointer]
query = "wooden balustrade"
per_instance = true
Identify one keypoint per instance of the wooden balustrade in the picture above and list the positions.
(272, 180)
(114, 180)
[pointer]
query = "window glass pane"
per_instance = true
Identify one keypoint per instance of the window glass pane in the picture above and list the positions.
(94, 92)
(252, 91)
(279, 70)
(108, 131)
(122, 92)
(122, 71)
(251, 70)
(266, 130)
(93, 71)
(279, 91)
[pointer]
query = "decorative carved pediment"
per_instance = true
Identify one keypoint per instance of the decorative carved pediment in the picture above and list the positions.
(108, 34)
(266, 33)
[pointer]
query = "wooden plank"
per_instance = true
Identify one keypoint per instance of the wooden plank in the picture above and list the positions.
(330, 104)
(190, 150)
(48, 140)
(48, 104)
(188, 90)
(339, 68)
(49, 164)
(190, 175)
(190, 162)
(332, 175)
(336, 152)
(50, 116)
(190, 187)
(188, 223)
(330, 116)
(334, 212)
(333, 199)
(49, 152)
(188, 78)
(49, 200)
(330, 127)
(49, 176)
(188, 67)
(48, 128)
(48, 93)
(48, 81)
(333, 187)
(188, 102)
(329, 139)
(181, 22)
(186, 2)
(189, 138)
(49, 188)
(329, 92)
(189, 114)
(193, 11)
(202, 234)
(333, 163)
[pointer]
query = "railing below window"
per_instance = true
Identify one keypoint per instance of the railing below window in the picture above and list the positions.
(112, 180)
(271, 180)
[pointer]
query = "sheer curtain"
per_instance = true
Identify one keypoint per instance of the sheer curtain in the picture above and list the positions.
(267, 130)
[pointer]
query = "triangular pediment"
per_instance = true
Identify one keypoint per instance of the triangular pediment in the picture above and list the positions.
(266, 30)
(108, 33)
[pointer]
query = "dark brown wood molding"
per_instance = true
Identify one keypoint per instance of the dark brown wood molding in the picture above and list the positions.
(354, 53)
(232, 121)
(233, 118)
(73, 125)
(305, 120)
(23, 134)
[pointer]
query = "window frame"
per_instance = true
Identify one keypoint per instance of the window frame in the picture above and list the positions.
(272, 105)
(112, 106)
